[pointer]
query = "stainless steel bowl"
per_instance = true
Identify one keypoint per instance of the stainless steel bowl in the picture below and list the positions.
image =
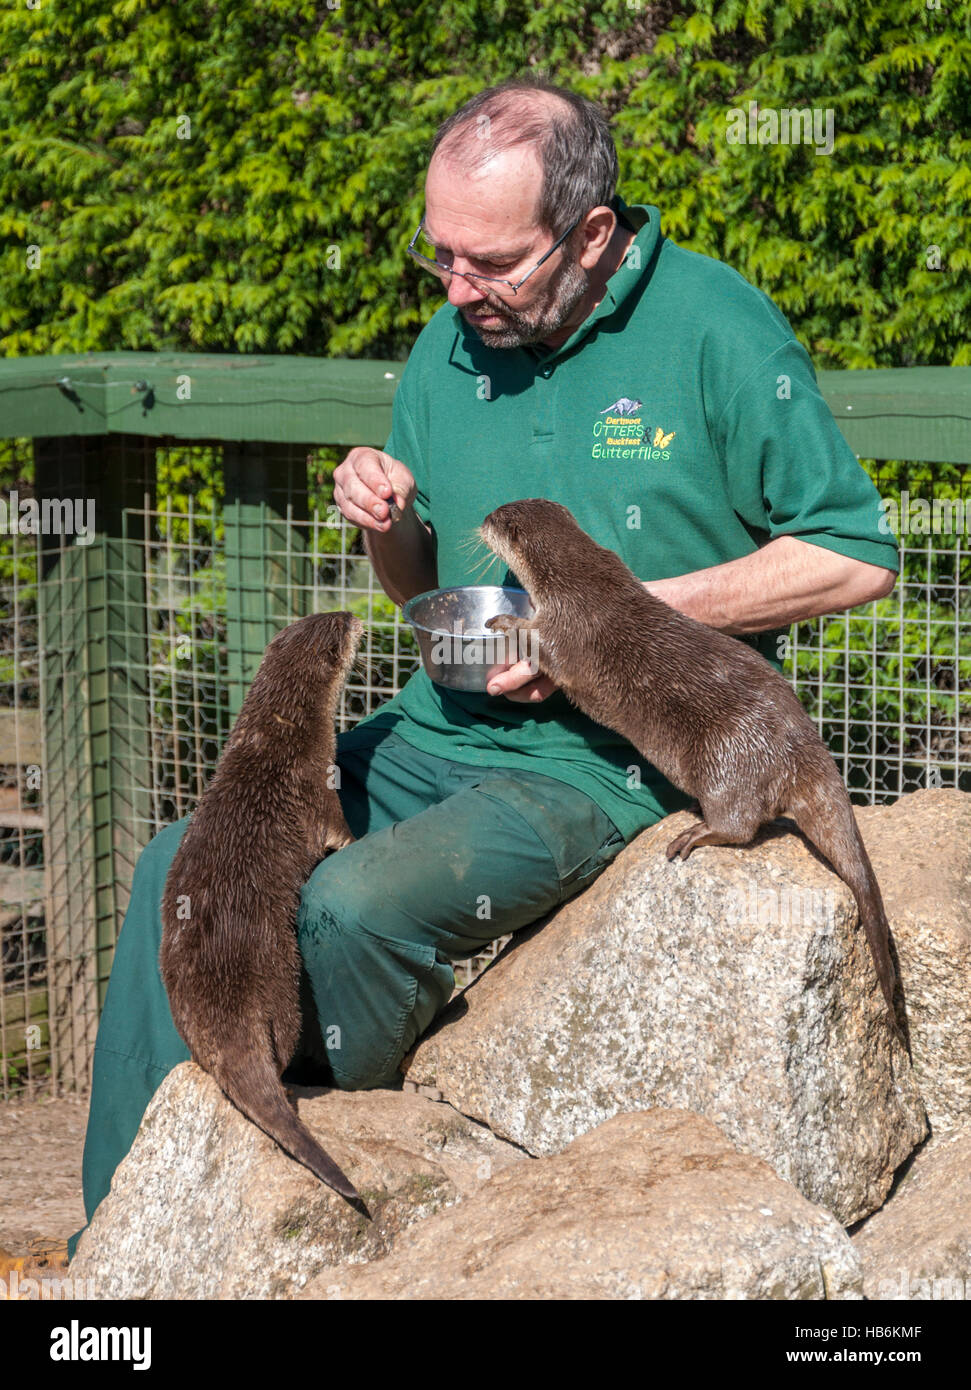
(457, 649)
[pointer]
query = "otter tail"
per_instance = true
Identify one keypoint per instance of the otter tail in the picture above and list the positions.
(827, 820)
(256, 1090)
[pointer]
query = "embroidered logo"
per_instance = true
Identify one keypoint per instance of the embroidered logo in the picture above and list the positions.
(620, 433)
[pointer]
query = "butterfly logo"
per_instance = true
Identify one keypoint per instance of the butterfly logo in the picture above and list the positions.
(662, 440)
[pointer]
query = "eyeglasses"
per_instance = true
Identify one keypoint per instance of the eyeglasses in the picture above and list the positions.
(444, 272)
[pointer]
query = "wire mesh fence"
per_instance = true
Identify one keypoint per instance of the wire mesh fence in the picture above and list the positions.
(24, 1031)
(126, 656)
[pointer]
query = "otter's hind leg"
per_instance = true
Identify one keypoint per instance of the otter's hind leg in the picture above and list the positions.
(723, 824)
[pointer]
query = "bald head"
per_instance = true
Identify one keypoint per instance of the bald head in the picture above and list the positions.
(566, 135)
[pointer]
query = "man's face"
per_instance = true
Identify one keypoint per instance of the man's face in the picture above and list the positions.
(485, 222)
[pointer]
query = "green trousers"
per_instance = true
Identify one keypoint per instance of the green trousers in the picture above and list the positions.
(447, 858)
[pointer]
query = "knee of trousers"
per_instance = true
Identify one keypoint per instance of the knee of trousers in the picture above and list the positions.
(136, 1021)
(143, 920)
(375, 991)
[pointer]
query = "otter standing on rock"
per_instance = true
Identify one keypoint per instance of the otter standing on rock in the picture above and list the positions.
(709, 712)
(229, 957)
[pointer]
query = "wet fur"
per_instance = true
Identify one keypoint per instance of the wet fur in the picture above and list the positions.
(267, 818)
(706, 710)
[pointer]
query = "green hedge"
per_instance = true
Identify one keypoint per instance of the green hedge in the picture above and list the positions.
(245, 177)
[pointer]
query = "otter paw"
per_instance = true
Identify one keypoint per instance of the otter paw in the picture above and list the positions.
(684, 843)
(504, 622)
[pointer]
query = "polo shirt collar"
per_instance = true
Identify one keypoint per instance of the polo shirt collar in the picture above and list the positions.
(625, 280)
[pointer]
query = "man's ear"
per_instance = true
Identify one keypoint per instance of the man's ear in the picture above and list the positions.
(596, 228)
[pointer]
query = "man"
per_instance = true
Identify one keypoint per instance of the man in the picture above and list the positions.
(584, 358)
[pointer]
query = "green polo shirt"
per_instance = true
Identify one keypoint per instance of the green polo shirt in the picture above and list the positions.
(682, 426)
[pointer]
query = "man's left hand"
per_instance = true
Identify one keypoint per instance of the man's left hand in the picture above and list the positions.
(522, 684)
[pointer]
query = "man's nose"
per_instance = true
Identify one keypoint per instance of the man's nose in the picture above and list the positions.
(462, 291)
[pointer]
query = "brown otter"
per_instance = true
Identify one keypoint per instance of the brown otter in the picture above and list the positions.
(229, 957)
(706, 710)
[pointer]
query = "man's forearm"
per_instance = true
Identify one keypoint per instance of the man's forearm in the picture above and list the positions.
(403, 557)
(784, 582)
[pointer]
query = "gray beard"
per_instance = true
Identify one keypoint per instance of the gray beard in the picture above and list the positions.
(525, 326)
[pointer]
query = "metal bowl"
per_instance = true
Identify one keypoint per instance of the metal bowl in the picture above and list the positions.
(457, 649)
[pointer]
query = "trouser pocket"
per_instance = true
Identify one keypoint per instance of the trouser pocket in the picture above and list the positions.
(581, 838)
(374, 996)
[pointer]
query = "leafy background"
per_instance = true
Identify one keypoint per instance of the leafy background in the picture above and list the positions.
(189, 170)
(245, 176)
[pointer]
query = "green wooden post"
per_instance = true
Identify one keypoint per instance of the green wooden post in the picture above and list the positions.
(95, 723)
(268, 567)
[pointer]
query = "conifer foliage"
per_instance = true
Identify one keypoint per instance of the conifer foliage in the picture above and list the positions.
(244, 175)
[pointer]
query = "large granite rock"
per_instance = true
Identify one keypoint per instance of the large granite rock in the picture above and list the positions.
(736, 984)
(207, 1206)
(653, 1205)
(921, 852)
(918, 1246)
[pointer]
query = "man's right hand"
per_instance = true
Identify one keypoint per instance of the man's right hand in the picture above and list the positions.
(365, 485)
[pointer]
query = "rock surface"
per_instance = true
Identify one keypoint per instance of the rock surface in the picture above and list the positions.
(918, 1246)
(653, 1205)
(207, 1206)
(736, 984)
(921, 852)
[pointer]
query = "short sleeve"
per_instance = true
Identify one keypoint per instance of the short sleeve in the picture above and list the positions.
(789, 470)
